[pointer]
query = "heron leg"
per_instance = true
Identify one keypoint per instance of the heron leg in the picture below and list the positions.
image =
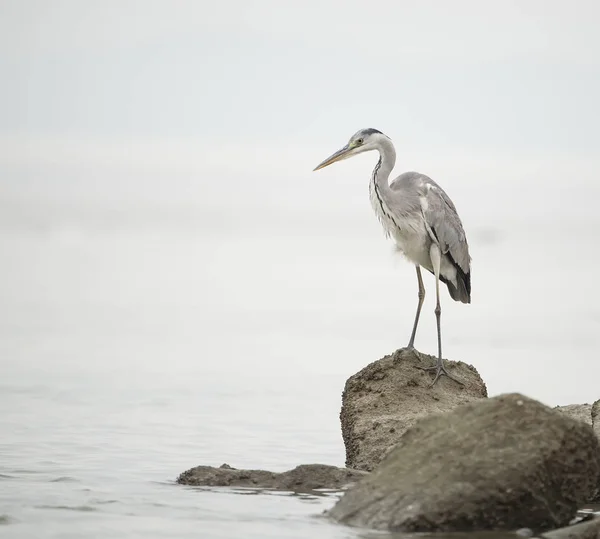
(439, 368)
(411, 343)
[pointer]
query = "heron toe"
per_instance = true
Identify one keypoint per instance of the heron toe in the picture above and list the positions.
(440, 370)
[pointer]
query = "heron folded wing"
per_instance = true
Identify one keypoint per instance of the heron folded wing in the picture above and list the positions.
(441, 216)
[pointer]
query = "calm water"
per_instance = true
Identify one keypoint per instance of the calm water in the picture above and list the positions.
(144, 334)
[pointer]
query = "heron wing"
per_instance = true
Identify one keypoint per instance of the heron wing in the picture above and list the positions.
(420, 195)
(442, 218)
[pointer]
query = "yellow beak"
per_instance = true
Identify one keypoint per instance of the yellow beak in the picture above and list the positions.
(344, 153)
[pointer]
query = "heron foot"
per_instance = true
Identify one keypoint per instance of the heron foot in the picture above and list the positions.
(412, 349)
(440, 370)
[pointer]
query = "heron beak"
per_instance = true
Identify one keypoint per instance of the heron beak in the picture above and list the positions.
(344, 153)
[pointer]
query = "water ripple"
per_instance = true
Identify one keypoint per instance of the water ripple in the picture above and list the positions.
(83, 508)
(64, 479)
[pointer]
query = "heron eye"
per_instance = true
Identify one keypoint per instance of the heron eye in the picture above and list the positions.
(359, 141)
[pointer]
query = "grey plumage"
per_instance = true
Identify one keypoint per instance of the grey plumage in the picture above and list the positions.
(422, 219)
(443, 220)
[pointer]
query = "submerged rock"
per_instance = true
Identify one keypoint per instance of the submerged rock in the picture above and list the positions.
(503, 463)
(303, 478)
(385, 398)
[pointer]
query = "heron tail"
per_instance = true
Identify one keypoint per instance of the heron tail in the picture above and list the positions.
(462, 290)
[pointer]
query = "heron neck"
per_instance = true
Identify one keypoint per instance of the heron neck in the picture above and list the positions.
(385, 165)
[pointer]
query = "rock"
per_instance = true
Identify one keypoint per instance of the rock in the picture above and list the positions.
(596, 417)
(588, 414)
(385, 398)
(502, 463)
(303, 478)
(588, 529)
(226, 476)
(581, 412)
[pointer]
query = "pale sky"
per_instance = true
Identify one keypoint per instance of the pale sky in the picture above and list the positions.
(500, 76)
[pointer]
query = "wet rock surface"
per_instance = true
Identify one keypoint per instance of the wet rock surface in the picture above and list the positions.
(385, 398)
(503, 463)
(303, 478)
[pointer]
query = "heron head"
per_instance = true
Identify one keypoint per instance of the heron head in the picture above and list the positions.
(362, 141)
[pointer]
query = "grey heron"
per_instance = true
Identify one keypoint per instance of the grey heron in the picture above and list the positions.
(422, 220)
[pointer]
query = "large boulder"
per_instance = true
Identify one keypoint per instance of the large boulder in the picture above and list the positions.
(502, 463)
(385, 398)
(303, 478)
